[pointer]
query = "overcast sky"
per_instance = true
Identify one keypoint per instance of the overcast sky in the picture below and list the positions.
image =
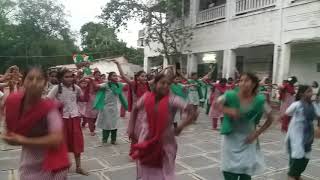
(83, 11)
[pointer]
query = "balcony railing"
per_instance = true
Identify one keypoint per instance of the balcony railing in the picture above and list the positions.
(244, 6)
(211, 14)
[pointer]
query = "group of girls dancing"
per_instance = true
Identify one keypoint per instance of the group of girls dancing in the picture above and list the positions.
(47, 115)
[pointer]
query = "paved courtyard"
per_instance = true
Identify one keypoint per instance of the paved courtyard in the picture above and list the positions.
(198, 156)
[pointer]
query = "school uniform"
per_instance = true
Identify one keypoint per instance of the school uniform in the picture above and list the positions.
(300, 136)
(71, 116)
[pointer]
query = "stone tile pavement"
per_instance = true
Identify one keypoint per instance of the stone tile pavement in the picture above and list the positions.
(198, 156)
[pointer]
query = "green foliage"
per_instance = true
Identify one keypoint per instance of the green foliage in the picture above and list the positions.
(99, 38)
(158, 18)
(35, 28)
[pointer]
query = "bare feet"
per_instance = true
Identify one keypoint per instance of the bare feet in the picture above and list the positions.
(82, 172)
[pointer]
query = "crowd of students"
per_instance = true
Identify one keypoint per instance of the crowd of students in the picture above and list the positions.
(45, 113)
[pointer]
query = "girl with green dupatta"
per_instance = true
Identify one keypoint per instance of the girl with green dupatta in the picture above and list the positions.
(178, 89)
(243, 109)
(194, 93)
(106, 102)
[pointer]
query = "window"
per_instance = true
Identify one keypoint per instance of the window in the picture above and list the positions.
(318, 67)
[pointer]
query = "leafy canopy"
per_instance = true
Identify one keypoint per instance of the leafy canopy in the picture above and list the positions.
(158, 16)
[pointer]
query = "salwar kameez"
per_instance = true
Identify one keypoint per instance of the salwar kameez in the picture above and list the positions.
(40, 119)
(31, 158)
(288, 99)
(167, 171)
(215, 113)
(240, 159)
(300, 136)
(90, 115)
(107, 119)
(109, 116)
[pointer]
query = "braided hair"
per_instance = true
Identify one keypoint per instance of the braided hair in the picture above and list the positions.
(61, 74)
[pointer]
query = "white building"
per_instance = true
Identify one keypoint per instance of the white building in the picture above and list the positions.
(275, 38)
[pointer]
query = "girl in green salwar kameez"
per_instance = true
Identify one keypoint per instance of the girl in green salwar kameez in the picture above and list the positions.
(243, 109)
(107, 104)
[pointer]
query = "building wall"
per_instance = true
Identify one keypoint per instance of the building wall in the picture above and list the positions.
(238, 32)
(304, 60)
(257, 60)
(302, 21)
(287, 23)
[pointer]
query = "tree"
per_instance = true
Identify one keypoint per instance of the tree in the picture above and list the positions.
(96, 37)
(158, 16)
(35, 29)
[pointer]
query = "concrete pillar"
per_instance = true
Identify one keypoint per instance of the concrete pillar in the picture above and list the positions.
(230, 9)
(192, 64)
(284, 63)
(276, 63)
(194, 9)
(146, 64)
(229, 63)
(165, 62)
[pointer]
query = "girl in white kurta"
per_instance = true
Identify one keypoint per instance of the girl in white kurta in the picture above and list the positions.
(301, 131)
(107, 104)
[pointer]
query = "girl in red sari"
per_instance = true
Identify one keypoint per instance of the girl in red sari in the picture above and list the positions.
(156, 147)
(36, 124)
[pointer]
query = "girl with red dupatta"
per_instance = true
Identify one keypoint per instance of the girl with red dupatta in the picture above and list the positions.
(216, 113)
(91, 114)
(35, 124)
(83, 103)
(137, 88)
(231, 84)
(287, 97)
(69, 94)
(125, 92)
(156, 149)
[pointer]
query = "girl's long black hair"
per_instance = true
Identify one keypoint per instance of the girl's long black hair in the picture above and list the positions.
(136, 81)
(254, 79)
(301, 90)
